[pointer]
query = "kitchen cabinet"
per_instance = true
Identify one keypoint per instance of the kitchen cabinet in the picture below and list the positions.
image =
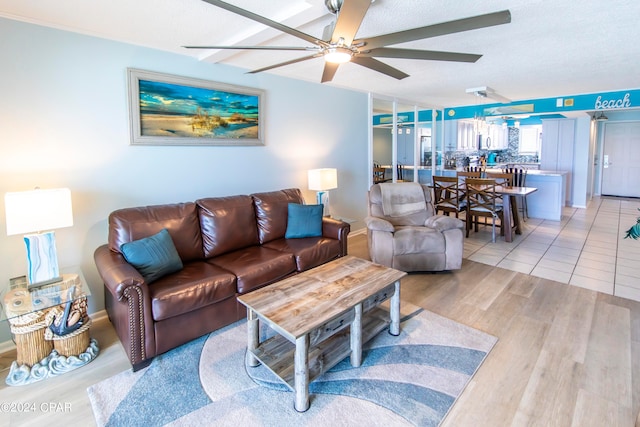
(558, 138)
(494, 137)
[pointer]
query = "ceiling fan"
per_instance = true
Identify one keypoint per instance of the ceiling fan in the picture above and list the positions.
(339, 44)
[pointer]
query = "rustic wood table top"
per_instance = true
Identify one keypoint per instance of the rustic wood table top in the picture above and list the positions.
(301, 303)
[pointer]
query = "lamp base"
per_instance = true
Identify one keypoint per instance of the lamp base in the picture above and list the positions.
(323, 199)
(42, 259)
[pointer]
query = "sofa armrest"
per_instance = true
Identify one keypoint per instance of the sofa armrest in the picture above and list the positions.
(117, 274)
(443, 222)
(336, 229)
(128, 304)
(378, 224)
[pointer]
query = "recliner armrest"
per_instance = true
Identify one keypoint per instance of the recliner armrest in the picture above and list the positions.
(443, 223)
(379, 224)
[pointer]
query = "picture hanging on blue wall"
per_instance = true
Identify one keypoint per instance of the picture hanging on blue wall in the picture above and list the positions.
(173, 110)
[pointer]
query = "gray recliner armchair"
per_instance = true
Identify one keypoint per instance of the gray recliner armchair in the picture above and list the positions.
(404, 232)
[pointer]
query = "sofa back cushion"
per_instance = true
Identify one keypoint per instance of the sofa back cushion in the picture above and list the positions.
(180, 220)
(271, 212)
(412, 217)
(227, 223)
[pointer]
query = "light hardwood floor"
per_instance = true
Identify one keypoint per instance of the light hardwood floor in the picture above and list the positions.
(566, 356)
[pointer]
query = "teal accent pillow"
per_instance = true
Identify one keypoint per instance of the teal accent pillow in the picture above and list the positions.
(154, 256)
(304, 221)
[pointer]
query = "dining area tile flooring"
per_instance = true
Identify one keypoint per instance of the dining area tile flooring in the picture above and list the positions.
(585, 248)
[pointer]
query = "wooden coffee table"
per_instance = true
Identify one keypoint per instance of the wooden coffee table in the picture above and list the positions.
(321, 316)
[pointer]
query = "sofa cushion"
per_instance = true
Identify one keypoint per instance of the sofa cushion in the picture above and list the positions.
(308, 252)
(256, 266)
(197, 285)
(181, 220)
(413, 218)
(303, 221)
(271, 210)
(227, 223)
(417, 240)
(154, 256)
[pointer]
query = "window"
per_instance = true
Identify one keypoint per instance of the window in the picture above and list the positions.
(530, 139)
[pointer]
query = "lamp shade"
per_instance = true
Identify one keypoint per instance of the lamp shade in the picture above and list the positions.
(323, 179)
(38, 210)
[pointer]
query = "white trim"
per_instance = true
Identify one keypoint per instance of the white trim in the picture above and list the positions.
(358, 232)
(7, 346)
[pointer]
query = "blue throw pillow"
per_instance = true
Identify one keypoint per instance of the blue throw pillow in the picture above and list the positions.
(304, 221)
(154, 257)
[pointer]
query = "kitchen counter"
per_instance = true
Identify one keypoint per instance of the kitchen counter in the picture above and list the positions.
(548, 201)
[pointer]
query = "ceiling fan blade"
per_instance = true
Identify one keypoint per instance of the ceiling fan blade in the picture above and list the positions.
(309, 48)
(350, 17)
(378, 66)
(431, 55)
(450, 27)
(266, 21)
(293, 61)
(329, 71)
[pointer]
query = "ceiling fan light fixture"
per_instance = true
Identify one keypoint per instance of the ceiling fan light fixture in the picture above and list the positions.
(337, 55)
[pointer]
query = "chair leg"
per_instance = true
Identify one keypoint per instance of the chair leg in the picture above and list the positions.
(467, 224)
(493, 229)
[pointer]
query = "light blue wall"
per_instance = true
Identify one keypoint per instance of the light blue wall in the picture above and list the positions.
(64, 122)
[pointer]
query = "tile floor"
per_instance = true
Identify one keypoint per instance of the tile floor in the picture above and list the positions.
(586, 248)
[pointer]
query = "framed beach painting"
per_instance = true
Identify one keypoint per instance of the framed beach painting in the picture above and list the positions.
(173, 110)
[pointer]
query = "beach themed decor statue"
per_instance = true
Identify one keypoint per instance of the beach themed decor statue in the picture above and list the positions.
(69, 321)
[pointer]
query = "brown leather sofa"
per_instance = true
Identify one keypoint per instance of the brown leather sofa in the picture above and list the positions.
(228, 245)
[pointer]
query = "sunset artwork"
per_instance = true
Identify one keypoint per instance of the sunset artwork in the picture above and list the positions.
(173, 111)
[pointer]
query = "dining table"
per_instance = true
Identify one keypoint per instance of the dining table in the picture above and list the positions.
(510, 208)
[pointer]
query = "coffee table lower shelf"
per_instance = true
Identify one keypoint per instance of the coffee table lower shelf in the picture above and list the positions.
(277, 353)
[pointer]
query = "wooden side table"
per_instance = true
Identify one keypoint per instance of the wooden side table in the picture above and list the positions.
(50, 326)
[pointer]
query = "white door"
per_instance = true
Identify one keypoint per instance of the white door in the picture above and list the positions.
(621, 159)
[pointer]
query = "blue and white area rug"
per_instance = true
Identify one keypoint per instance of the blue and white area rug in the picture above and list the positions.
(411, 379)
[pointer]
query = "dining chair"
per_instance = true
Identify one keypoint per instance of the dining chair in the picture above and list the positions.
(519, 180)
(502, 178)
(400, 172)
(480, 169)
(378, 175)
(481, 199)
(468, 174)
(448, 196)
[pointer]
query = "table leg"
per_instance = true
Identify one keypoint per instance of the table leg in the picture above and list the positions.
(253, 338)
(301, 372)
(356, 337)
(394, 327)
(506, 217)
(516, 215)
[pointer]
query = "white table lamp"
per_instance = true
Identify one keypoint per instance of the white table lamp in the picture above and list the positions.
(322, 180)
(39, 212)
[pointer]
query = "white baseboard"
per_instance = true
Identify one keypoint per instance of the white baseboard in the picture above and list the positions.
(98, 316)
(358, 232)
(7, 346)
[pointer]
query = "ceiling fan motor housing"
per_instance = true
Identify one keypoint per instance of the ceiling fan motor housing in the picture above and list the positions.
(333, 5)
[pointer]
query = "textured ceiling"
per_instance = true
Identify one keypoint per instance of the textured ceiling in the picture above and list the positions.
(550, 48)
